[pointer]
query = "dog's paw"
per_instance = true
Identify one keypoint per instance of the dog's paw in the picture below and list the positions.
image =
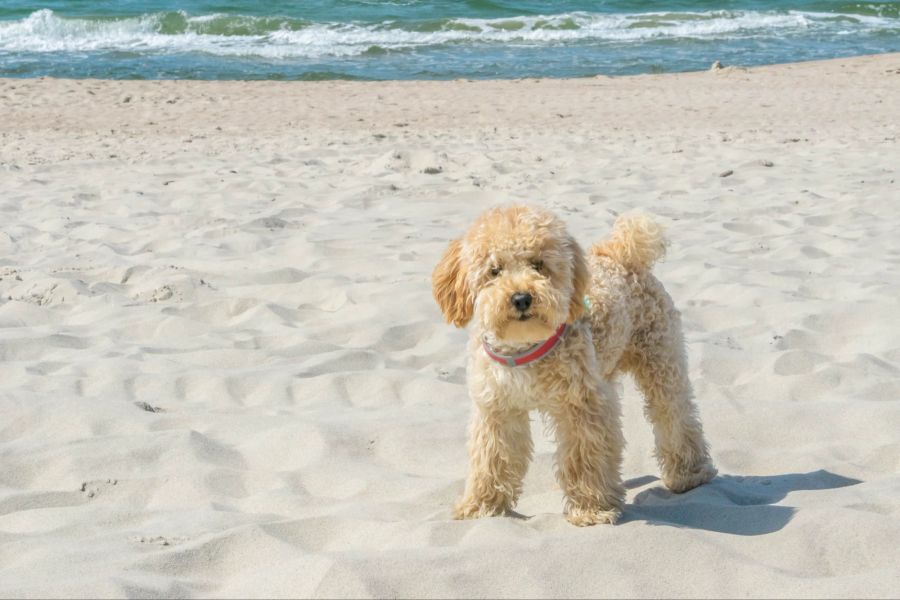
(585, 517)
(471, 509)
(682, 481)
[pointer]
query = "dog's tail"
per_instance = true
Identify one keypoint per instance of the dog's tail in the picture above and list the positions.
(636, 243)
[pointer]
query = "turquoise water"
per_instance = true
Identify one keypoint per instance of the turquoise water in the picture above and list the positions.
(426, 39)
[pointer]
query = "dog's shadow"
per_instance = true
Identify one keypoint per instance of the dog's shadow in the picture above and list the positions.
(728, 504)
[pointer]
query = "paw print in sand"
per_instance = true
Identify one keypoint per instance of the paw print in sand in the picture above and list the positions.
(94, 488)
(159, 540)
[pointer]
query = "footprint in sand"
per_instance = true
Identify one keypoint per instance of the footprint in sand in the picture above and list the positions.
(813, 252)
(821, 220)
(798, 362)
(745, 228)
(404, 337)
(159, 540)
(92, 489)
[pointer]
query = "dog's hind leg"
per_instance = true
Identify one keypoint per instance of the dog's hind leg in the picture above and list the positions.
(659, 366)
(500, 449)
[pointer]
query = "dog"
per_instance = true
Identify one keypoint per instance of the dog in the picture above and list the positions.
(551, 330)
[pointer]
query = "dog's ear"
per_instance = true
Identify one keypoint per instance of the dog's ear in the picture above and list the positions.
(580, 280)
(450, 289)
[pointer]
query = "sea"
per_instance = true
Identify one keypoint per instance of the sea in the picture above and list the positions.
(427, 39)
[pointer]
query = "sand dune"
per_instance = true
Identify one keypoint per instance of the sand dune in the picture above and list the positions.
(222, 372)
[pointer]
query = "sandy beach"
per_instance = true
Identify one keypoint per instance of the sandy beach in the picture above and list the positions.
(222, 373)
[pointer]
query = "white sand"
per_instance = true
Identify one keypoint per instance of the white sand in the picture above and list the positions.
(252, 261)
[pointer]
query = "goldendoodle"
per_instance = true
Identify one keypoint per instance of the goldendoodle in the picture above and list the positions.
(551, 329)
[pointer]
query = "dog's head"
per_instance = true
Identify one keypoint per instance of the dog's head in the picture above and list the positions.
(516, 271)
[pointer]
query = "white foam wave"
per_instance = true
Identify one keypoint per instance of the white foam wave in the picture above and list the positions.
(44, 31)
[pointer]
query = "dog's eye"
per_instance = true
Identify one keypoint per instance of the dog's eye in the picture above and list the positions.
(538, 265)
(495, 271)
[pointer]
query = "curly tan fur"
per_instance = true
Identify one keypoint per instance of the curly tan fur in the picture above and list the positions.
(450, 289)
(632, 326)
(636, 243)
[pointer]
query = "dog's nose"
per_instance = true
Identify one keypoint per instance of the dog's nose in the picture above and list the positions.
(521, 300)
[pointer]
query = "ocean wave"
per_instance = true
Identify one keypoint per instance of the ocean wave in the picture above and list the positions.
(281, 37)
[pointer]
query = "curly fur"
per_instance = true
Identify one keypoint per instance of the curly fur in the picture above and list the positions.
(636, 243)
(632, 326)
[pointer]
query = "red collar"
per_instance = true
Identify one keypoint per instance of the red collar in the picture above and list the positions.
(535, 353)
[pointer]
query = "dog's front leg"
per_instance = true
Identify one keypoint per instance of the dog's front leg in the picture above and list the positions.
(589, 458)
(500, 448)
